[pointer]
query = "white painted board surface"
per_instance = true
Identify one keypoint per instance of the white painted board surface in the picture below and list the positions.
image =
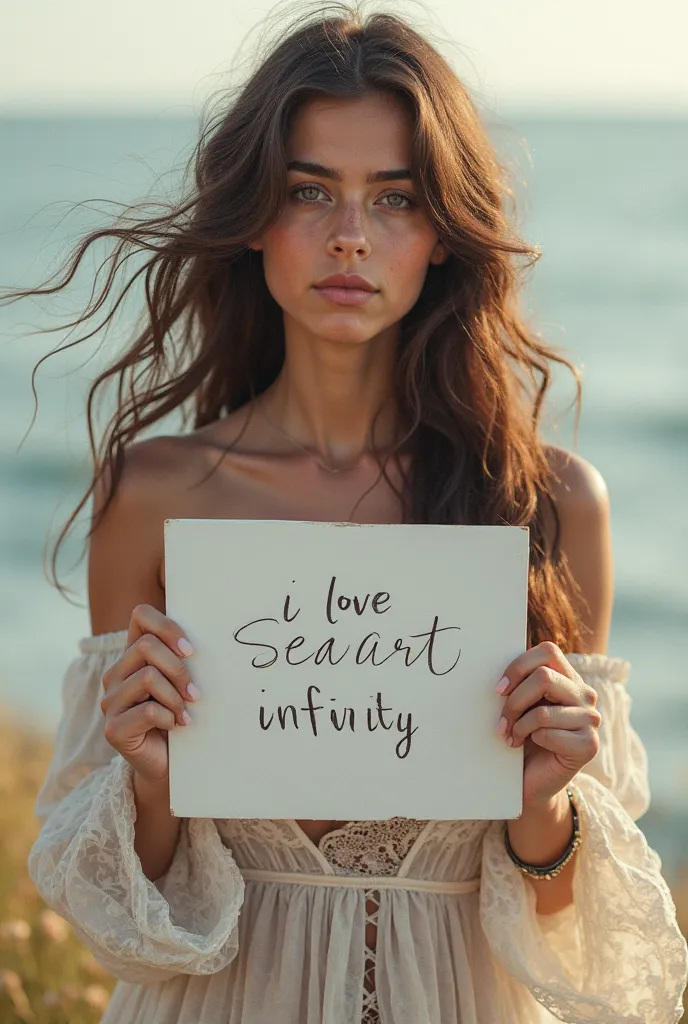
(346, 671)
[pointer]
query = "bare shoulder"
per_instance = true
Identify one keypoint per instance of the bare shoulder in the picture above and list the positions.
(126, 545)
(577, 486)
(154, 470)
(582, 500)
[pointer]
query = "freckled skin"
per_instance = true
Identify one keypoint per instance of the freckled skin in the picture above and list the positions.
(349, 226)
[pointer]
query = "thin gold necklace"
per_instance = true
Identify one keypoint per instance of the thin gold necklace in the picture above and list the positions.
(334, 470)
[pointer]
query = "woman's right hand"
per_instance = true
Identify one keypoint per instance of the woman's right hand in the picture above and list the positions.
(145, 691)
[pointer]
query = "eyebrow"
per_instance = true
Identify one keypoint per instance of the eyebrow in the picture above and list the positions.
(307, 167)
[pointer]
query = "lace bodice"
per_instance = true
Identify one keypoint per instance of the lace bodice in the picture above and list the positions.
(253, 922)
(370, 847)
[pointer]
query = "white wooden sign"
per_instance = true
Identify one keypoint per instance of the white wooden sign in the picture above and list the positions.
(346, 671)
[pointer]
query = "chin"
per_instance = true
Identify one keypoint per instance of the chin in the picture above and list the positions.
(345, 330)
(344, 337)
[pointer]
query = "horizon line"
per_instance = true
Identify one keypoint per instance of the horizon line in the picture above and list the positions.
(182, 112)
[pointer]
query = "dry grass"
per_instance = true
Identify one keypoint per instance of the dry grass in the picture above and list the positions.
(46, 975)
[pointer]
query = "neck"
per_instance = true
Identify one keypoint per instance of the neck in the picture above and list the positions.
(336, 399)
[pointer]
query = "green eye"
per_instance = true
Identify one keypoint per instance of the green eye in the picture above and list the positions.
(306, 188)
(400, 195)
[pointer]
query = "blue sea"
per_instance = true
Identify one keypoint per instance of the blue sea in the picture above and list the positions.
(607, 203)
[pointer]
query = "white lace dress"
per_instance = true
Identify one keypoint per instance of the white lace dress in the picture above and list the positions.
(402, 922)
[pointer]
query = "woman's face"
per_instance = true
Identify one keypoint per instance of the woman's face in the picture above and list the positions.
(337, 220)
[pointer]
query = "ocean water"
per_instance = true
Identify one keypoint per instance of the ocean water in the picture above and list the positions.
(606, 201)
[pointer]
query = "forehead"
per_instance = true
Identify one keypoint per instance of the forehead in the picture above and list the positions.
(369, 133)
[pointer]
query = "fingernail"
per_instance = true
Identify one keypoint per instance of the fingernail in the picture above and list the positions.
(510, 741)
(502, 684)
(501, 728)
(184, 647)
(192, 691)
(186, 717)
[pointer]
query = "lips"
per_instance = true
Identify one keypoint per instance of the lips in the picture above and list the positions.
(354, 281)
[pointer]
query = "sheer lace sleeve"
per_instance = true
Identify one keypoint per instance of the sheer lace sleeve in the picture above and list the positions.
(621, 762)
(84, 864)
(616, 955)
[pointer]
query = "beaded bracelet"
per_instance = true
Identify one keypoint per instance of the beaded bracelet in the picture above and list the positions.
(550, 871)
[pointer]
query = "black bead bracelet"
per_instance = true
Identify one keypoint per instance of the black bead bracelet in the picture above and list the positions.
(550, 871)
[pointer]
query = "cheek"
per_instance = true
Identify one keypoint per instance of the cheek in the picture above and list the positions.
(407, 243)
(287, 256)
(409, 258)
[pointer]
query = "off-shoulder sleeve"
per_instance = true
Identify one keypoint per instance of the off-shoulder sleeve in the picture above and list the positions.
(616, 955)
(84, 864)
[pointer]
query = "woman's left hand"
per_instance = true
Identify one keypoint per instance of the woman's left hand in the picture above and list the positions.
(552, 712)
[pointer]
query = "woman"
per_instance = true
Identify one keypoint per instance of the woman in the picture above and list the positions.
(336, 301)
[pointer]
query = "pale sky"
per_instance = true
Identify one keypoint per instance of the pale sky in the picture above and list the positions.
(166, 56)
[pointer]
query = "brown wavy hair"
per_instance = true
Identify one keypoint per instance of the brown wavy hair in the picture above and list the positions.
(471, 377)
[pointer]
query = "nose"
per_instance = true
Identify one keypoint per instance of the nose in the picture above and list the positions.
(349, 237)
